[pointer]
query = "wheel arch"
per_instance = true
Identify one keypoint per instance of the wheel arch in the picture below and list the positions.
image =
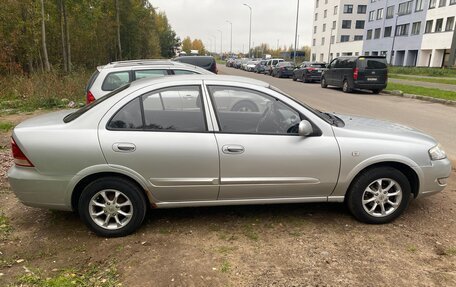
(408, 171)
(83, 182)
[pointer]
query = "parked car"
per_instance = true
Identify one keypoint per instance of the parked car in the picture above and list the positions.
(361, 72)
(260, 67)
(109, 77)
(271, 64)
(283, 69)
(205, 62)
(309, 72)
(230, 62)
(162, 143)
(244, 63)
(251, 66)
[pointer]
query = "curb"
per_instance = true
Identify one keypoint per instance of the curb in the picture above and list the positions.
(423, 98)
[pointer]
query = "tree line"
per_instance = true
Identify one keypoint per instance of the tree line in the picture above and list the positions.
(44, 35)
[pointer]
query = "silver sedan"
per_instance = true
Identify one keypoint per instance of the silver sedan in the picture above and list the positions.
(151, 145)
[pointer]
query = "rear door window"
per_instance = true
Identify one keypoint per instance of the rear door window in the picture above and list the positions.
(128, 117)
(156, 73)
(115, 80)
(373, 63)
(177, 109)
(184, 72)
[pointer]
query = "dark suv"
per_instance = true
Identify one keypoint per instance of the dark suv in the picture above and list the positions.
(205, 62)
(361, 72)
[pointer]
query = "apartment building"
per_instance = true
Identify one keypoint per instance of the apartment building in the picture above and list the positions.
(338, 28)
(411, 32)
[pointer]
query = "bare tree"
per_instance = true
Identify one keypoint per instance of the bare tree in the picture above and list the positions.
(67, 33)
(47, 67)
(118, 29)
(62, 31)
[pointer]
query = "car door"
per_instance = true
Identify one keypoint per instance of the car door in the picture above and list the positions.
(167, 143)
(330, 73)
(261, 154)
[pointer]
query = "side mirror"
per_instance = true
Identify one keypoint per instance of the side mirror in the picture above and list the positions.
(305, 128)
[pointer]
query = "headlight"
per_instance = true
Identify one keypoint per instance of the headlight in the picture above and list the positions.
(437, 153)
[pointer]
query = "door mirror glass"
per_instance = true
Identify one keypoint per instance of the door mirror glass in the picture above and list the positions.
(305, 128)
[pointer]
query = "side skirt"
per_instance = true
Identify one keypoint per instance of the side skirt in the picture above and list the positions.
(248, 201)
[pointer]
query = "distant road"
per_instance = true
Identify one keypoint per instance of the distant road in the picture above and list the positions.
(435, 119)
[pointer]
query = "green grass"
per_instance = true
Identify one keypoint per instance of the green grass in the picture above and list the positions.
(428, 80)
(6, 126)
(95, 276)
(423, 71)
(5, 227)
(20, 93)
(416, 90)
(225, 267)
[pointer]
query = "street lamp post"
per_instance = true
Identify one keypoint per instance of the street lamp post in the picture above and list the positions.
(296, 34)
(250, 30)
(215, 43)
(221, 43)
(394, 38)
(330, 42)
(231, 37)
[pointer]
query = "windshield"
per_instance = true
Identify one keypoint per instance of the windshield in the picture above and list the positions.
(87, 107)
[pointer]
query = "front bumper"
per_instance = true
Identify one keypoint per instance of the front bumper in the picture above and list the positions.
(37, 190)
(430, 184)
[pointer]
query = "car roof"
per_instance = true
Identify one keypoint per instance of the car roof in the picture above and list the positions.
(222, 78)
(143, 63)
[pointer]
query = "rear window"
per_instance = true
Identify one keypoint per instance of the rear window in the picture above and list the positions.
(373, 63)
(92, 80)
(86, 108)
(115, 80)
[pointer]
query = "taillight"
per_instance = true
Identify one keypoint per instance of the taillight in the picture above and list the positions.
(310, 69)
(90, 97)
(19, 157)
(355, 73)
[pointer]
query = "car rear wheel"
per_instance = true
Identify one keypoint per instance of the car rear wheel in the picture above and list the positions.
(294, 77)
(346, 87)
(112, 207)
(376, 91)
(379, 195)
(323, 83)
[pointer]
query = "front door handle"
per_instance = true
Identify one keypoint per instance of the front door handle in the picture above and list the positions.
(233, 149)
(124, 147)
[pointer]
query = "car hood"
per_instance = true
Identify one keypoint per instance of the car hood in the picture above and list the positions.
(372, 128)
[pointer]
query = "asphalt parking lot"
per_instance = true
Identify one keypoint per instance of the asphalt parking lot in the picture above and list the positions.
(435, 119)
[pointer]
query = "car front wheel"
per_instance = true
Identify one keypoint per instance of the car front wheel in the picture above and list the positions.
(112, 207)
(379, 195)
(323, 83)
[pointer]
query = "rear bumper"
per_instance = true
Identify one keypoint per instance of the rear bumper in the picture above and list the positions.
(434, 177)
(313, 77)
(37, 190)
(369, 86)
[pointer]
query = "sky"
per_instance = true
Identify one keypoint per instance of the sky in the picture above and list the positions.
(272, 21)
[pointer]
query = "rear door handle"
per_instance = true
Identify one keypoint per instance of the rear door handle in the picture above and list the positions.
(233, 149)
(124, 147)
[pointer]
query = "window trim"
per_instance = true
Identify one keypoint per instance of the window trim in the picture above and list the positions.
(203, 110)
(317, 131)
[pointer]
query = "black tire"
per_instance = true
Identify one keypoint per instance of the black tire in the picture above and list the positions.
(356, 194)
(130, 190)
(346, 87)
(323, 83)
(245, 106)
(304, 79)
(279, 75)
(294, 78)
(376, 91)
